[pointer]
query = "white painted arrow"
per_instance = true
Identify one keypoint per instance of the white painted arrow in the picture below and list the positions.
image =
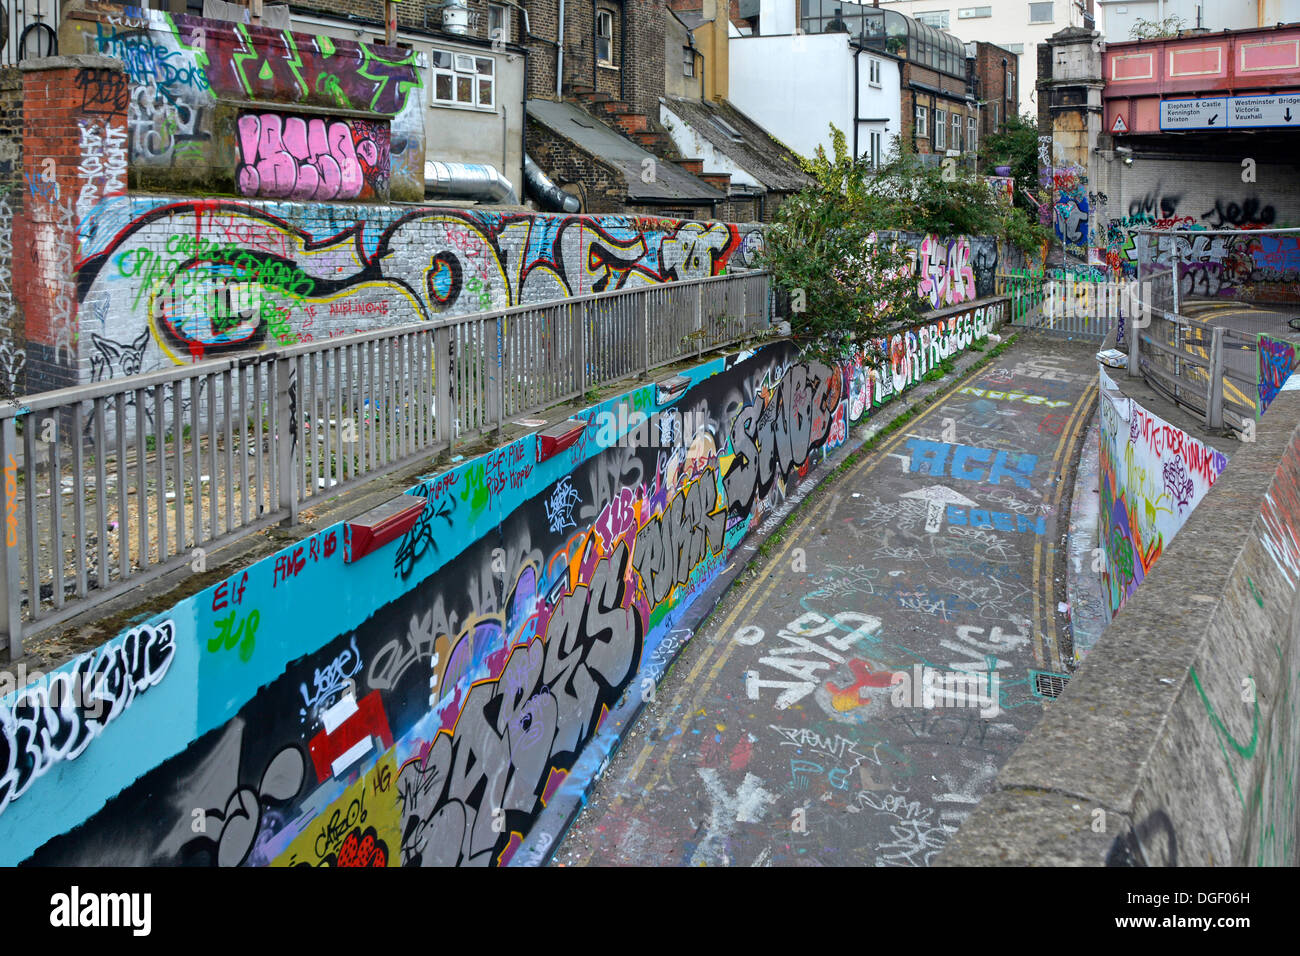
(937, 498)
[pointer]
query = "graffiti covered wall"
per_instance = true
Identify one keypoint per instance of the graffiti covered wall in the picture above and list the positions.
(209, 107)
(1153, 475)
(950, 271)
(1199, 198)
(178, 280)
(425, 713)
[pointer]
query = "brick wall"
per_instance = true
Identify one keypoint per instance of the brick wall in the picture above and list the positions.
(74, 157)
(603, 188)
(12, 331)
(992, 79)
(954, 100)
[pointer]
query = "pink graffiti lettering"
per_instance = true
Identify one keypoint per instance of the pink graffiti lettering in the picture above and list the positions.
(296, 158)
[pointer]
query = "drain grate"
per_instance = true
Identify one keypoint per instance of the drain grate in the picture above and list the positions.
(1049, 685)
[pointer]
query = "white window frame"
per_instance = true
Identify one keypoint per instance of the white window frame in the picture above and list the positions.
(956, 131)
(688, 62)
(873, 72)
(463, 64)
(922, 115)
(875, 150)
(1041, 3)
(606, 18)
(940, 129)
(974, 13)
(495, 9)
(945, 14)
(972, 135)
(1011, 84)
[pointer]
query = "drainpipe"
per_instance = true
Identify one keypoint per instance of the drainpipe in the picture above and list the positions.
(559, 56)
(622, 53)
(857, 52)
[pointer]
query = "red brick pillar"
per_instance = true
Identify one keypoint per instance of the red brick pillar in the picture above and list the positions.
(74, 155)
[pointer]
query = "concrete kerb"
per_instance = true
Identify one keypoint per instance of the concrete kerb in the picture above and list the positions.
(1134, 743)
(569, 799)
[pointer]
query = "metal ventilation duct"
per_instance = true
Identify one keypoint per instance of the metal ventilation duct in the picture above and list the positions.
(455, 17)
(551, 196)
(468, 181)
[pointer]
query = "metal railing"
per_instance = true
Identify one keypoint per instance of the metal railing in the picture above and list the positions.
(110, 485)
(28, 29)
(1059, 303)
(1208, 369)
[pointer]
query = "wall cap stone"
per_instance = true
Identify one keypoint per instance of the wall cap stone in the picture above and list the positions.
(74, 61)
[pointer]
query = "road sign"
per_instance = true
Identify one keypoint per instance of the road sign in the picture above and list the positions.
(1119, 126)
(1194, 114)
(1277, 110)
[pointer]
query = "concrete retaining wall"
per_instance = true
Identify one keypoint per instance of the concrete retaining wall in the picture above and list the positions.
(1178, 740)
(422, 704)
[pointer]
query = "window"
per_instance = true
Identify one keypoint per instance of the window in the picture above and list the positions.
(940, 129)
(1011, 85)
(937, 19)
(460, 79)
(688, 61)
(727, 129)
(1040, 12)
(974, 13)
(995, 115)
(1016, 48)
(875, 150)
(498, 23)
(605, 37)
(921, 112)
(972, 135)
(873, 72)
(956, 132)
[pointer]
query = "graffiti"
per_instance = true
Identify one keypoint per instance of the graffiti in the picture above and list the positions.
(427, 717)
(12, 359)
(559, 509)
(546, 703)
(208, 278)
(1248, 215)
(307, 159)
(127, 357)
(1277, 359)
(931, 458)
(49, 723)
(1153, 475)
(420, 538)
(1152, 842)
(770, 439)
(102, 91)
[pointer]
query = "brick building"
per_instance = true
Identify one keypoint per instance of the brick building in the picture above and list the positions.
(994, 70)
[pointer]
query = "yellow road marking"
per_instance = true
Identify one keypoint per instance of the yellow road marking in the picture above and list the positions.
(779, 571)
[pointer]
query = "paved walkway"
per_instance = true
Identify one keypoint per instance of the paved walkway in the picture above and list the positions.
(852, 701)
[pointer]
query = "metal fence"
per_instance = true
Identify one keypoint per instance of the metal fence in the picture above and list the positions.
(1208, 368)
(1059, 303)
(112, 484)
(28, 29)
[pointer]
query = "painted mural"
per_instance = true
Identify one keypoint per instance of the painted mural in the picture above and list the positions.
(199, 278)
(1275, 361)
(425, 714)
(184, 72)
(1152, 476)
(949, 271)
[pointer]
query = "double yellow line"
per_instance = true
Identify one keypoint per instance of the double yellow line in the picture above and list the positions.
(779, 570)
